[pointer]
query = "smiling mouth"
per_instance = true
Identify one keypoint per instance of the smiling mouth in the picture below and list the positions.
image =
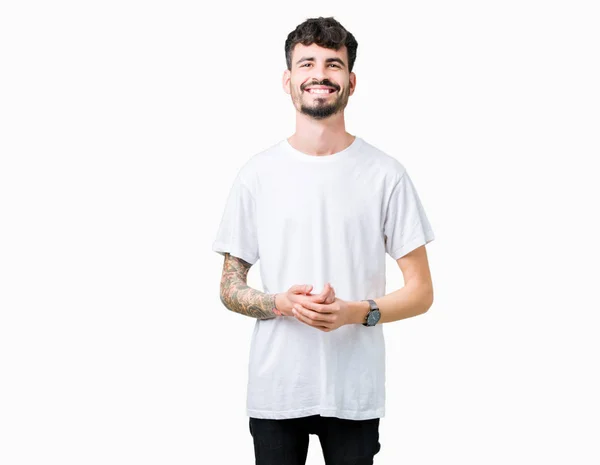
(320, 91)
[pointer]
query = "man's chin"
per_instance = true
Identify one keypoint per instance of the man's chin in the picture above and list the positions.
(318, 113)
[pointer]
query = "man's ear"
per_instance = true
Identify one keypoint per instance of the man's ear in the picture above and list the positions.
(352, 82)
(285, 81)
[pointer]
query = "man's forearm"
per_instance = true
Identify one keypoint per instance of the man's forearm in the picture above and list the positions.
(411, 300)
(238, 297)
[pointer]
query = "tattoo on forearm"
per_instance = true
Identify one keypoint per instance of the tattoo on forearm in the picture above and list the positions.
(238, 297)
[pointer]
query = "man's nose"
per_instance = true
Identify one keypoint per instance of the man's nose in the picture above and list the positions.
(320, 72)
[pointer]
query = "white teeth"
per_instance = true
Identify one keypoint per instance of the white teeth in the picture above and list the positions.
(319, 91)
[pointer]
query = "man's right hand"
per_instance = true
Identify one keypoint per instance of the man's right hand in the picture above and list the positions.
(299, 293)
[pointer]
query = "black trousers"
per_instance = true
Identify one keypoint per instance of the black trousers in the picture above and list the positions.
(344, 442)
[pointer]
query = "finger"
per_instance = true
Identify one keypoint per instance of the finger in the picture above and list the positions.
(331, 296)
(299, 316)
(318, 318)
(314, 306)
(323, 295)
(321, 298)
(300, 288)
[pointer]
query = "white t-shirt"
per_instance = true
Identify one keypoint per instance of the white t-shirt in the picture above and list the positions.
(311, 220)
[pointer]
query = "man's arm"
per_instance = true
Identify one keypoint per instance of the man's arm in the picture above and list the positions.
(415, 298)
(238, 297)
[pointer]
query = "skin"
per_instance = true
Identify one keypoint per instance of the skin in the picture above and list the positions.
(319, 136)
(414, 298)
(320, 131)
(238, 297)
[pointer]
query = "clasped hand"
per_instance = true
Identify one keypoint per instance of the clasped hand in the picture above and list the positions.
(323, 311)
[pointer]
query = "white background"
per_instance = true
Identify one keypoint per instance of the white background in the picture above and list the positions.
(123, 125)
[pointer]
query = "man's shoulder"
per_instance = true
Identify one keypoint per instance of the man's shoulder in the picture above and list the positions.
(258, 164)
(383, 160)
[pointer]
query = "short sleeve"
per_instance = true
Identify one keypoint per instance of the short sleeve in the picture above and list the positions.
(237, 231)
(406, 226)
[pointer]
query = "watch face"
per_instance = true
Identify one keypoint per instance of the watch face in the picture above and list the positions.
(373, 317)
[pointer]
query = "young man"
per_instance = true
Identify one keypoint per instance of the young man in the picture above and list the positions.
(320, 207)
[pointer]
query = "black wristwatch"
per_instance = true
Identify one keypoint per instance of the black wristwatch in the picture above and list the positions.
(374, 314)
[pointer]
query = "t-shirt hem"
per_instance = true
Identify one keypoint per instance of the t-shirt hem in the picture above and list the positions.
(222, 248)
(324, 412)
(422, 239)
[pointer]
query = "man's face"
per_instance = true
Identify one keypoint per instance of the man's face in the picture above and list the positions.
(319, 81)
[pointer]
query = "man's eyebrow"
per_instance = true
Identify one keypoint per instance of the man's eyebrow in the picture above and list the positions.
(327, 60)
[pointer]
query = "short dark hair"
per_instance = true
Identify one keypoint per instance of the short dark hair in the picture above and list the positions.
(325, 32)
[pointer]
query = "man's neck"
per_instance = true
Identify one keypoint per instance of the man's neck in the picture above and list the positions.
(320, 138)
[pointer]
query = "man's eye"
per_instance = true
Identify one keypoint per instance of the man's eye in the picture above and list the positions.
(330, 64)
